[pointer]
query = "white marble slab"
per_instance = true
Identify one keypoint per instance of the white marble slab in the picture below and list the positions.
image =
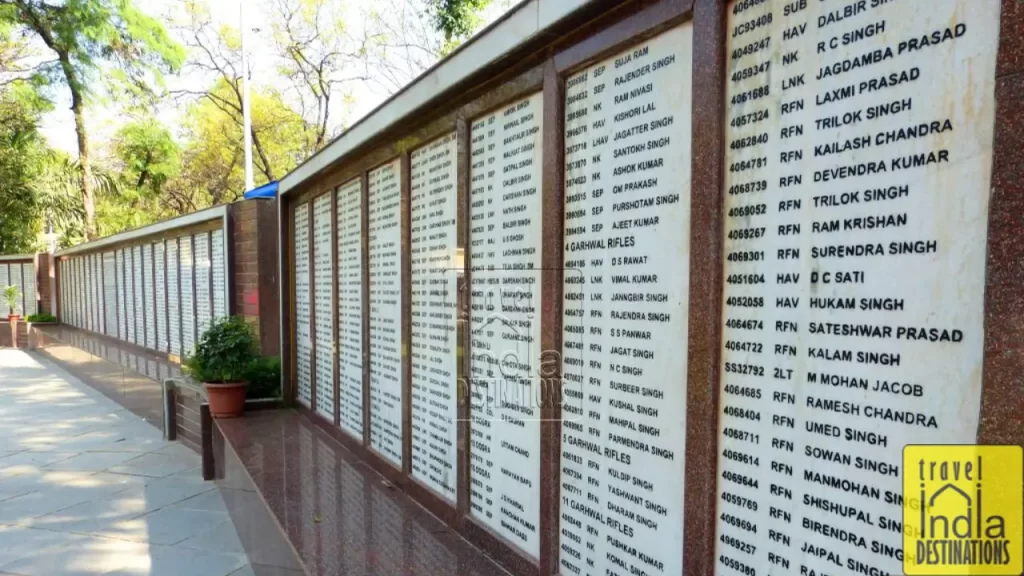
(348, 199)
(303, 307)
(385, 232)
(434, 286)
(625, 304)
(323, 305)
(858, 176)
(505, 242)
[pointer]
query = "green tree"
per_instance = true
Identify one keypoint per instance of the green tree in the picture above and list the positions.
(457, 19)
(22, 158)
(147, 155)
(211, 154)
(96, 40)
(321, 58)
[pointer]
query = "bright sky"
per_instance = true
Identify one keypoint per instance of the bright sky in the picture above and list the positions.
(103, 120)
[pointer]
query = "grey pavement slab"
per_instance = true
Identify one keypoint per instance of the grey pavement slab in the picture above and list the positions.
(87, 487)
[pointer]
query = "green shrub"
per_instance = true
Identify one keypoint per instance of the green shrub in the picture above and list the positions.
(265, 378)
(42, 317)
(224, 353)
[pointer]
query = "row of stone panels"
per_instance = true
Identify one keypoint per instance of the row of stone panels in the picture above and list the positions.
(20, 273)
(160, 295)
(519, 309)
(160, 286)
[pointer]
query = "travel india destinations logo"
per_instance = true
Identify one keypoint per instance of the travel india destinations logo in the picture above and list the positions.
(963, 510)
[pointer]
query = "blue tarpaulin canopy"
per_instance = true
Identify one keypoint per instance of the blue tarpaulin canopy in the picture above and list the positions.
(268, 190)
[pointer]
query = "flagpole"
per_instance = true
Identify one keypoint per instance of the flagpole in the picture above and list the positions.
(246, 114)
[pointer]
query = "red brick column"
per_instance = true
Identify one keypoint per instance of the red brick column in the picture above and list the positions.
(46, 283)
(253, 228)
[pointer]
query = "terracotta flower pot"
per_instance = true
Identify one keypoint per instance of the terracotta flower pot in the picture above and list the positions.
(226, 400)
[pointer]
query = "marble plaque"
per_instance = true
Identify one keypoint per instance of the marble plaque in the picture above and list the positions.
(323, 304)
(109, 295)
(149, 295)
(68, 303)
(90, 281)
(87, 288)
(28, 279)
(79, 293)
(119, 279)
(62, 310)
(75, 293)
(858, 176)
(83, 302)
(204, 311)
(348, 199)
(220, 266)
(63, 285)
(160, 286)
(84, 280)
(186, 295)
(625, 290)
(505, 249)
(66, 306)
(72, 292)
(5, 280)
(80, 296)
(96, 291)
(304, 332)
(385, 231)
(139, 296)
(101, 294)
(173, 300)
(433, 244)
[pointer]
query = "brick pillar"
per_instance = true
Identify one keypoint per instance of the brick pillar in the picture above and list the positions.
(254, 268)
(46, 285)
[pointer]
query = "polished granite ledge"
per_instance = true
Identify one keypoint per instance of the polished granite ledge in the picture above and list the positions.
(341, 516)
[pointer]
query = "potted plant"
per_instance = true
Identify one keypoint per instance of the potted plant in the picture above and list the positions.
(221, 361)
(11, 301)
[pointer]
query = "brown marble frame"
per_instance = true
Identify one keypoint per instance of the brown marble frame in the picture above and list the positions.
(1002, 403)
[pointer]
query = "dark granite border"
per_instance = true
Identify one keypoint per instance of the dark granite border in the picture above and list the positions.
(1002, 398)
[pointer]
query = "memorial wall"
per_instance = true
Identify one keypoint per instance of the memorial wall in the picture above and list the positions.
(147, 293)
(708, 264)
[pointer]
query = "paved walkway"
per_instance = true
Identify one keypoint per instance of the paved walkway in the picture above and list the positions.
(86, 487)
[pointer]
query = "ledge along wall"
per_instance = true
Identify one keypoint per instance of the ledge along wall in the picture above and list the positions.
(651, 289)
(160, 286)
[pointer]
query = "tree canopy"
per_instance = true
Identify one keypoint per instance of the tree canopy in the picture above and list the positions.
(175, 146)
(95, 41)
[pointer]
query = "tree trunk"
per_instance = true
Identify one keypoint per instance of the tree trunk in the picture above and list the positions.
(85, 176)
